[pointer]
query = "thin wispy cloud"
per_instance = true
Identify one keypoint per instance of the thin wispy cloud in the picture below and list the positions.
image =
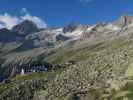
(24, 11)
(8, 21)
(86, 1)
(27, 16)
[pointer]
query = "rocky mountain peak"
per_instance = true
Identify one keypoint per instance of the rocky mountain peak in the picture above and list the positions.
(4, 30)
(70, 27)
(124, 20)
(26, 27)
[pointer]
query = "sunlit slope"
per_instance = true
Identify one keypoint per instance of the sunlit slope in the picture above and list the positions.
(103, 71)
(85, 50)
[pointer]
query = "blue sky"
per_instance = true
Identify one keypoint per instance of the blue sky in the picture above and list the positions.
(61, 12)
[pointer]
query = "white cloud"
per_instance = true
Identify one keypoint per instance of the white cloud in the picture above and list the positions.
(2, 25)
(27, 16)
(8, 21)
(39, 22)
(24, 11)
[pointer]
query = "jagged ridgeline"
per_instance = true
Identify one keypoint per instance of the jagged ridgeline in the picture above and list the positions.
(77, 62)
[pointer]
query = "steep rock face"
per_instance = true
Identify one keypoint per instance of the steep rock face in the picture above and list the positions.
(61, 37)
(48, 38)
(124, 20)
(9, 36)
(26, 27)
(70, 27)
(9, 40)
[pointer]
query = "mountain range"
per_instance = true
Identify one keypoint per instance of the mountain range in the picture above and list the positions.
(27, 37)
(90, 57)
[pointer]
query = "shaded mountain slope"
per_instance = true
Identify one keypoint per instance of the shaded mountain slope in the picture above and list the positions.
(25, 27)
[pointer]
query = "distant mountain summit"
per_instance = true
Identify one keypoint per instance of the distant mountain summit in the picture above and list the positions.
(26, 27)
(98, 55)
(124, 20)
(26, 37)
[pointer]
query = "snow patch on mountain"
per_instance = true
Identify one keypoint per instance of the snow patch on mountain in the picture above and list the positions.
(90, 28)
(113, 27)
(75, 33)
(130, 25)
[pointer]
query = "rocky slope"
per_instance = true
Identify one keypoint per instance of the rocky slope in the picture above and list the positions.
(97, 60)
